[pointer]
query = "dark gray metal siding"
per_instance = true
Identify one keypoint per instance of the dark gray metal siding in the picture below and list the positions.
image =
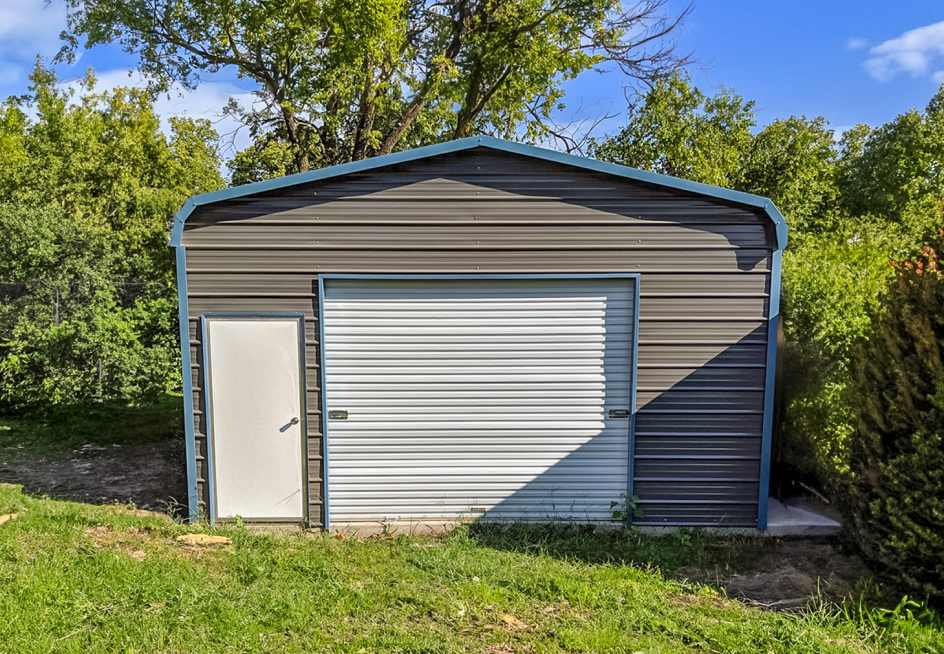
(704, 286)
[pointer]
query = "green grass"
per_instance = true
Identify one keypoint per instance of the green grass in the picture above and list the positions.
(81, 578)
(62, 429)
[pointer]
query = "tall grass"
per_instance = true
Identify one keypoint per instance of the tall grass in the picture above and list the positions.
(80, 578)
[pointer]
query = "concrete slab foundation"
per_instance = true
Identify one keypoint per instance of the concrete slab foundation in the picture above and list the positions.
(801, 518)
(789, 518)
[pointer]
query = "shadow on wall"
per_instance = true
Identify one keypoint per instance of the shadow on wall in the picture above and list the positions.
(596, 198)
(697, 452)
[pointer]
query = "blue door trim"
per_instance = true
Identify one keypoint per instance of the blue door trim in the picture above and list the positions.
(186, 369)
(630, 469)
(631, 429)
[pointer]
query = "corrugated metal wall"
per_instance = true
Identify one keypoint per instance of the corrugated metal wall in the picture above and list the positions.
(705, 270)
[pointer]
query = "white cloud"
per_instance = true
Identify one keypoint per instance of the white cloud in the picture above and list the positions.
(206, 101)
(856, 44)
(913, 52)
(938, 77)
(27, 28)
(31, 25)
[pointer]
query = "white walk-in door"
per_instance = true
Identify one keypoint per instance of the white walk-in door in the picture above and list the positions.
(496, 398)
(256, 416)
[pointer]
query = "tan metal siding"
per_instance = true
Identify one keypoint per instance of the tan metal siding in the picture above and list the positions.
(704, 289)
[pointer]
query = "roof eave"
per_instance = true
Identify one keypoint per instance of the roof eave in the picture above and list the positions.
(406, 156)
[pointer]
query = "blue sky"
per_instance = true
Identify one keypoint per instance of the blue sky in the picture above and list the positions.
(848, 61)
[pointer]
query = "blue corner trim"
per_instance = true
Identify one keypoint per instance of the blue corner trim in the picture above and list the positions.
(193, 505)
(449, 147)
(773, 321)
(322, 379)
(630, 468)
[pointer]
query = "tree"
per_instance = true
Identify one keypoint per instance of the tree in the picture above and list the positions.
(87, 296)
(794, 163)
(896, 505)
(677, 130)
(897, 165)
(342, 80)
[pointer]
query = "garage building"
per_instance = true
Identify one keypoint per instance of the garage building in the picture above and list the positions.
(479, 329)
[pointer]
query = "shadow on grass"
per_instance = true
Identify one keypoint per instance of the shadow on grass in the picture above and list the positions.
(681, 548)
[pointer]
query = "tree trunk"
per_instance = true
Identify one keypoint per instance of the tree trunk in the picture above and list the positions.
(461, 26)
(329, 136)
(291, 126)
(367, 111)
(403, 124)
(466, 113)
(475, 102)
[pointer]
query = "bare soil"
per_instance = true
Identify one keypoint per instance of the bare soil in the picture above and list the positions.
(788, 573)
(149, 475)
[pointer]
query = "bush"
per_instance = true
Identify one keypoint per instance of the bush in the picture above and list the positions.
(895, 506)
(831, 286)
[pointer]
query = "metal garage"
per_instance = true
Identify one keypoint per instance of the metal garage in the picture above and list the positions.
(478, 329)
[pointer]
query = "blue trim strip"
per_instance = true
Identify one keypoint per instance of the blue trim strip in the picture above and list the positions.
(419, 276)
(190, 440)
(205, 340)
(480, 276)
(300, 317)
(326, 496)
(773, 321)
(485, 142)
(630, 469)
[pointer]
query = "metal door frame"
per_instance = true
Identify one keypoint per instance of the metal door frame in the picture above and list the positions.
(634, 277)
(205, 318)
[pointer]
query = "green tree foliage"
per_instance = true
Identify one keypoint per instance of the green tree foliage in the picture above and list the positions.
(793, 162)
(896, 503)
(342, 80)
(897, 165)
(675, 129)
(87, 294)
(830, 286)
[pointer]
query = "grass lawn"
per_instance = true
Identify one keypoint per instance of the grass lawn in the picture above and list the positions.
(81, 578)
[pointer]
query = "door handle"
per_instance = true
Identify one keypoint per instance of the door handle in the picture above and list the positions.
(294, 421)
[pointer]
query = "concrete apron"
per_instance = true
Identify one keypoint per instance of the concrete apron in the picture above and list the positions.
(794, 518)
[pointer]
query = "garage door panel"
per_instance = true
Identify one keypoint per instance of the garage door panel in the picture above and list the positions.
(481, 397)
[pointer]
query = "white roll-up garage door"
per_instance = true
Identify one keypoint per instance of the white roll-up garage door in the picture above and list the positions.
(498, 398)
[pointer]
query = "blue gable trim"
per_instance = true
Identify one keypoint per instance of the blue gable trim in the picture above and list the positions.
(493, 144)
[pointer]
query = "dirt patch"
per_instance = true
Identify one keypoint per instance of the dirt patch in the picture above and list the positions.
(788, 574)
(151, 476)
(130, 541)
(204, 540)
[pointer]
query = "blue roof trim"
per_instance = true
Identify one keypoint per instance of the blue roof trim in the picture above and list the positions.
(484, 142)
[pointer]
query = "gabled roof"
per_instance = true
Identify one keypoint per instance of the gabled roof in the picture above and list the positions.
(493, 144)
